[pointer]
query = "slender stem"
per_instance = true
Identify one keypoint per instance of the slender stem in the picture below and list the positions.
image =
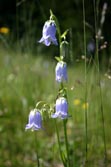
(17, 24)
(35, 140)
(86, 135)
(99, 79)
(66, 142)
(58, 139)
(103, 127)
(65, 161)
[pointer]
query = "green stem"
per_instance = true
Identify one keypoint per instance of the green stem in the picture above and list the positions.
(58, 139)
(103, 127)
(86, 135)
(35, 140)
(99, 80)
(66, 141)
(66, 163)
(61, 85)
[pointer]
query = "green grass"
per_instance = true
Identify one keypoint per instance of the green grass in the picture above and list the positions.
(26, 79)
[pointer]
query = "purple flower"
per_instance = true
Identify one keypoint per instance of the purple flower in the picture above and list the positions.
(48, 33)
(61, 108)
(35, 120)
(61, 71)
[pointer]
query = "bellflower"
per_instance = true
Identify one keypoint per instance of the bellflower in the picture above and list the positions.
(48, 33)
(61, 71)
(61, 108)
(35, 120)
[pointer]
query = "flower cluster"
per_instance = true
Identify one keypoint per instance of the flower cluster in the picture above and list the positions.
(61, 105)
(80, 103)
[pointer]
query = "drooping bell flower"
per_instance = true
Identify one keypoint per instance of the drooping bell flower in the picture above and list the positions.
(61, 108)
(61, 71)
(35, 120)
(48, 33)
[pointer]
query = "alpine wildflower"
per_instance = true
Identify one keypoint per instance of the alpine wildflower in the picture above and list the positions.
(4, 30)
(85, 106)
(77, 102)
(48, 33)
(61, 108)
(61, 71)
(35, 120)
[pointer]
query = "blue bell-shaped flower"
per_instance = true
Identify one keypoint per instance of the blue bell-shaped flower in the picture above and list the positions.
(61, 71)
(35, 120)
(61, 108)
(48, 33)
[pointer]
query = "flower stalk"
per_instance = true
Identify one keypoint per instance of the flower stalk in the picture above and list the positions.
(36, 150)
(86, 109)
(66, 141)
(61, 107)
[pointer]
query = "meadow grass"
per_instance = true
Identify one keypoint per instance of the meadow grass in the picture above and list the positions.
(26, 79)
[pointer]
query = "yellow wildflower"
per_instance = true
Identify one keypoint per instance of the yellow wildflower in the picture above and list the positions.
(85, 105)
(77, 102)
(4, 30)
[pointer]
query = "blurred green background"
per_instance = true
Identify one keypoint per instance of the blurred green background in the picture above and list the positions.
(27, 76)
